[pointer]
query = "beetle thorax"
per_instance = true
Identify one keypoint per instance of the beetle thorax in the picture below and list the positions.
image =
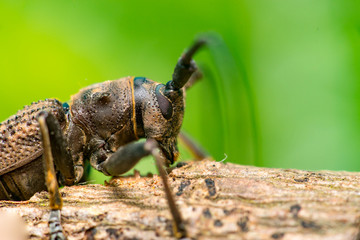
(104, 111)
(118, 112)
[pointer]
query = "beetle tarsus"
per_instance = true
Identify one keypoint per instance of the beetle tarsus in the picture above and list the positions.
(56, 231)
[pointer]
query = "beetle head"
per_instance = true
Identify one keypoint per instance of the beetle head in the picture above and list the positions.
(164, 119)
(159, 114)
(171, 104)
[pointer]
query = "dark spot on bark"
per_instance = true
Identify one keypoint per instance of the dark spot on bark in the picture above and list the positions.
(100, 218)
(242, 223)
(113, 233)
(182, 186)
(305, 179)
(90, 233)
(295, 209)
(169, 226)
(228, 212)
(218, 223)
(310, 174)
(309, 224)
(210, 184)
(207, 213)
(181, 164)
(277, 235)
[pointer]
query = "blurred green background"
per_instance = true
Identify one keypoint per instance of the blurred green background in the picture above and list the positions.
(285, 92)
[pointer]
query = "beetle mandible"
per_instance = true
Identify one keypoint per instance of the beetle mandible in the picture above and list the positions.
(101, 123)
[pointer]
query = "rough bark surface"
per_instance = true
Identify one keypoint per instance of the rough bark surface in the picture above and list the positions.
(217, 201)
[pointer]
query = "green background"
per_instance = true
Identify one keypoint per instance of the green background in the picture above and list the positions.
(284, 91)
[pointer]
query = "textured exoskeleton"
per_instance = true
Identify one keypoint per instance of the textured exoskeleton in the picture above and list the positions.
(96, 122)
(21, 164)
(101, 123)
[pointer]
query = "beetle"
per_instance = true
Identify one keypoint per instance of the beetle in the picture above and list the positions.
(49, 141)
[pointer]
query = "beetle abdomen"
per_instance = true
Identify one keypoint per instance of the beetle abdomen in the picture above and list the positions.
(20, 136)
(23, 182)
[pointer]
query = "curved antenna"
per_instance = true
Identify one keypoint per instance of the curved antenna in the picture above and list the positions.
(187, 56)
(232, 77)
(185, 67)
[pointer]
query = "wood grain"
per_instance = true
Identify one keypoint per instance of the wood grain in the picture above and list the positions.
(217, 201)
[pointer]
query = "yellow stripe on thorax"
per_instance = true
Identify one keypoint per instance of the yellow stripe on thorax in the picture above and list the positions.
(133, 117)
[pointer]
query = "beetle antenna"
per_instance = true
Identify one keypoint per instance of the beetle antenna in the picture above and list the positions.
(186, 58)
(185, 67)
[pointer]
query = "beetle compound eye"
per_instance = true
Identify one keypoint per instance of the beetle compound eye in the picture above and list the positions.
(164, 103)
(66, 107)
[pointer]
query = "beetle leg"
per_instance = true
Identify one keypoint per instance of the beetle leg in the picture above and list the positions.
(124, 159)
(56, 231)
(62, 157)
(127, 156)
(179, 225)
(195, 148)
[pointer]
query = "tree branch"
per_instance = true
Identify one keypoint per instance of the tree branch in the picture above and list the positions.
(217, 201)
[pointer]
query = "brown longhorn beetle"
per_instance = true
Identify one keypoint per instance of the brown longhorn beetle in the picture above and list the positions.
(47, 142)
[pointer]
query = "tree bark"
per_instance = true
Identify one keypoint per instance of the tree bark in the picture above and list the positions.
(217, 201)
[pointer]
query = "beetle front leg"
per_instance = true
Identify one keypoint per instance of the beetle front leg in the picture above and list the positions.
(179, 225)
(126, 158)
